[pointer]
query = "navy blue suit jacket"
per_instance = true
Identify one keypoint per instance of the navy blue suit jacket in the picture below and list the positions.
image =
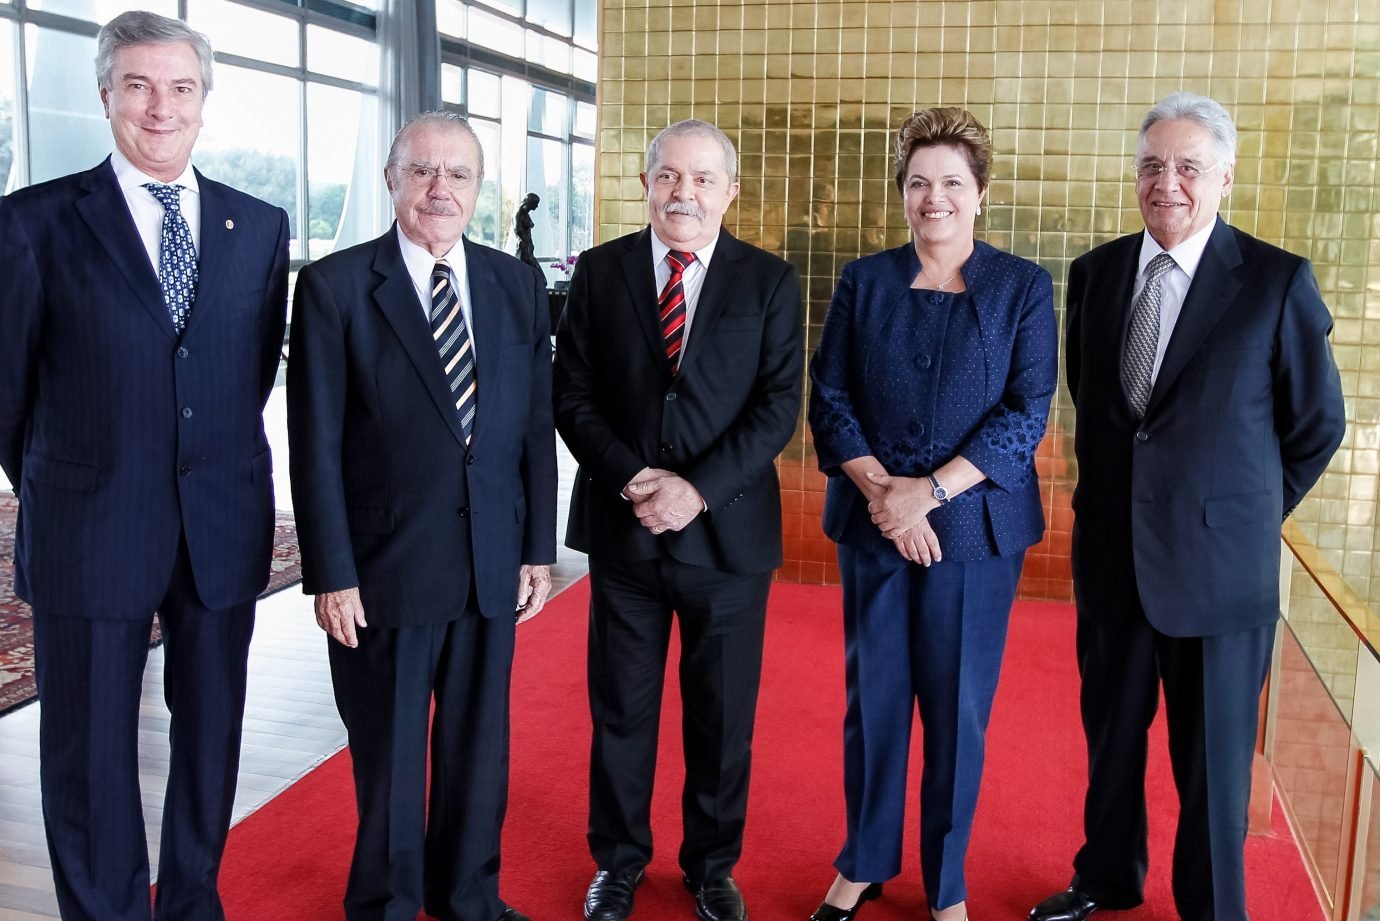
(118, 434)
(1185, 505)
(989, 401)
(719, 423)
(387, 496)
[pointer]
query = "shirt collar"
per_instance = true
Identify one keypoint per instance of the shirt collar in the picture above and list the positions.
(420, 263)
(659, 250)
(130, 176)
(1186, 255)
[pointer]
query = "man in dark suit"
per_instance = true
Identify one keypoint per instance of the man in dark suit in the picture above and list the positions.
(676, 407)
(140, 330)
(1207, 405)
(424, 479)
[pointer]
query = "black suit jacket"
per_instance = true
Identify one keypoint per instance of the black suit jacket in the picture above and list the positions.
(1185, 505)
(720, 422)
(387, 496)
(118, 434)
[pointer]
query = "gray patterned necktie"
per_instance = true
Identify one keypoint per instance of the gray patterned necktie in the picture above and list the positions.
(1143, 337)
(453, 344)
(177, 271)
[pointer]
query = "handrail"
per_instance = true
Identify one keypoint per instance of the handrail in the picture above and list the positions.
(1359, 615)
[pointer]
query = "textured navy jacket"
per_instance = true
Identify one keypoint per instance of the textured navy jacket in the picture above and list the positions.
(879, 387)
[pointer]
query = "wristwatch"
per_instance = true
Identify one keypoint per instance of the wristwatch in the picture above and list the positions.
(940, 493)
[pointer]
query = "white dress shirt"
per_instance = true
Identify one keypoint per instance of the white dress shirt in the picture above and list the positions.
(147, 211)
(691, 280)
(1173, 285)
(420, 264)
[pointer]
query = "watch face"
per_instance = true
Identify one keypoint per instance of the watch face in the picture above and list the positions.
(941, 493)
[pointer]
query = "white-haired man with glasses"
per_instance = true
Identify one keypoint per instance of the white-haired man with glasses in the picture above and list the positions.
(1207, 404)
(424, 481)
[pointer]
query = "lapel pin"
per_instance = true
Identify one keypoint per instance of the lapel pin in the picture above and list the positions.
(229, 224)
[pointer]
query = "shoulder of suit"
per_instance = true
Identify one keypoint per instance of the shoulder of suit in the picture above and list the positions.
(242, 202)
(1255, 250)
(995, 260)
(1113, 249)
(352, 258)
(45, 194)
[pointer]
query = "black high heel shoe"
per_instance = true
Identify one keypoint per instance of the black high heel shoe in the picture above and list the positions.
(827, 912)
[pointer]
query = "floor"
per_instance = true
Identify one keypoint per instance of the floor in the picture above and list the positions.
(290, 723)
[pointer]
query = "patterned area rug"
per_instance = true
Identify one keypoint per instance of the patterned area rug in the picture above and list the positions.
(16, 627)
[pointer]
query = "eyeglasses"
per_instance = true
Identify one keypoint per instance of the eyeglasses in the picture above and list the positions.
(425, 175)
(1187, 172)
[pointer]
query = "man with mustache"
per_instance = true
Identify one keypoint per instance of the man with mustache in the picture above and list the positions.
(424, 478)
(679, 364)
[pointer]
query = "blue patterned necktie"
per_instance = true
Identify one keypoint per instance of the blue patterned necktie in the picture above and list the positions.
(177, 272)
(453, 344)
(1143, 336)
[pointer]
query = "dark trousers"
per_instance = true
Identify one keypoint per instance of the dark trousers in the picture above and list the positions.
(413, 851)
(1212, 698)
(932, 635)
(722, 619)
(90, 677)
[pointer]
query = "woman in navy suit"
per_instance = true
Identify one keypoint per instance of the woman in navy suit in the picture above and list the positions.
(930, 392)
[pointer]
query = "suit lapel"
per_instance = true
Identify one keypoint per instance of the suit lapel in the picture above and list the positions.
(107, 215)
(640, 278)
(1213, 288)
(486, 307)
(213, 255)
(396, 297)
(1118, 284)
(718, 280)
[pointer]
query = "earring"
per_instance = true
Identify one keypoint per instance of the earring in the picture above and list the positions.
(979, 209)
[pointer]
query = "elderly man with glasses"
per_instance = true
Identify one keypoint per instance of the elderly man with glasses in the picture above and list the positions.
(424, 480)
(1207, 404)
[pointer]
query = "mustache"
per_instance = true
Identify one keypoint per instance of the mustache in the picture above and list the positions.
(439, 209)
(683, 207)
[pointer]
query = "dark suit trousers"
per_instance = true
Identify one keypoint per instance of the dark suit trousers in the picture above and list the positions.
(90, 677)
(1212, 691)
(442, 851)
(722, 619)
(933, 635)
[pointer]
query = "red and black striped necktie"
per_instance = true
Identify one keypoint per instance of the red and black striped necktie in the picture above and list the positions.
(671, 306)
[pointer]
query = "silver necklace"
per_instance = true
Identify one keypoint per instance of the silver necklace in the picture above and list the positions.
(940, 286)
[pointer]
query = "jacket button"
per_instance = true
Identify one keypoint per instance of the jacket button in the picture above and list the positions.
(182, 351)
(184, 470)
(1142, 436)
(666, 447)
(670, 397)
(186, 412)
(924, 361)
(463, 511)
(469, 460)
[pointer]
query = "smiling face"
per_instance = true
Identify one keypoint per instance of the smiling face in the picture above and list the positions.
(1175, 208)
(154, 106)
(688, 191)
(942, 195)
(435, 184)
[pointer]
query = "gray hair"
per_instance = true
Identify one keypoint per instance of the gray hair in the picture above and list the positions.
(138, 27)
(1192, 107)
(693, 126)
(432, 117)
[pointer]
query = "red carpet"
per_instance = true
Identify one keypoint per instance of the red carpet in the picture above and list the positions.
(289, 860)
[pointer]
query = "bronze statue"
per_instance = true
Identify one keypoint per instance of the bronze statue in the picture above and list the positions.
(522, 226)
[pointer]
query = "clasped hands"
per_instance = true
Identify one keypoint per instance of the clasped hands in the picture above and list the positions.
(899, 507)
(340, 613)
(663, 501)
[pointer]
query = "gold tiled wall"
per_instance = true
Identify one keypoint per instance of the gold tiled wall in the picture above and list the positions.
(811, 93)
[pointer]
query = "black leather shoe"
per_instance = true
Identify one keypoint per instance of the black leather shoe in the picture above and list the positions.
(512, 914)
(717, 899)
(827, 912)
(1070, 905)
(610, 896)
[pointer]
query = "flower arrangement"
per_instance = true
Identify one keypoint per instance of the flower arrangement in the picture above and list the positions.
(565, 266)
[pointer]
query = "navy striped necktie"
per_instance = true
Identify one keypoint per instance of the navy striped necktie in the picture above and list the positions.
(453, 343)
